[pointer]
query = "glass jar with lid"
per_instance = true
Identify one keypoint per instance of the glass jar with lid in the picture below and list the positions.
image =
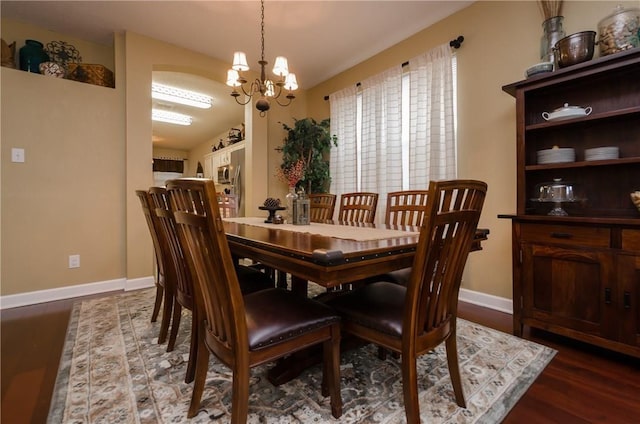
(619, 31)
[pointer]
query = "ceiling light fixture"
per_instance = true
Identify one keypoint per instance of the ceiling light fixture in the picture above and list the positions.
(266, 88)
(170, 117)
(181, 96)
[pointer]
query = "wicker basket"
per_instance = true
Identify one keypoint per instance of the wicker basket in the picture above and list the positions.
(92, 74)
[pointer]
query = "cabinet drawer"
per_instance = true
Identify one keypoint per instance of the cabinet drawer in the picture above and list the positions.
(631, 240)
(566, 235)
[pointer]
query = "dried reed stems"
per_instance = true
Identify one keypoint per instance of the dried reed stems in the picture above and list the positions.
(550, 8)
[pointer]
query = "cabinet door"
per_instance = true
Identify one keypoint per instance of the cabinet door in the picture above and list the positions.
(569, 290)
(629, 298)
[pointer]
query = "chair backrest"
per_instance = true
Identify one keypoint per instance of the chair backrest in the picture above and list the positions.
(322, 206)
(406, 207)
(145, 201)
(228, 204)
(447, 231)
(164, 215)
(204, 243)
(358, 207)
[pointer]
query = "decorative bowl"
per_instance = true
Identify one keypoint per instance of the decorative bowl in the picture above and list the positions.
(52, 69)
(575, 48)
(539, 68)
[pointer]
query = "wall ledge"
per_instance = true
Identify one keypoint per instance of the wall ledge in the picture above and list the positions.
(69, 292)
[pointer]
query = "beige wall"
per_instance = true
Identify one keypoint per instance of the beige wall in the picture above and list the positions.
(86, 153)
(501, 40)
(67, 198)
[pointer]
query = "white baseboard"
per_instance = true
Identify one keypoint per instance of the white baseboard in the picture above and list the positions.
(490, 301)
(49, 295)
(31, 298)
(139, 283)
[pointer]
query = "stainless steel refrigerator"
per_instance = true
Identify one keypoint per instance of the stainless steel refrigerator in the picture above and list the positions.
(237, 173)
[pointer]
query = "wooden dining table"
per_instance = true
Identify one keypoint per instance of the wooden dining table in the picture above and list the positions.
(328, 260)
(307, 253)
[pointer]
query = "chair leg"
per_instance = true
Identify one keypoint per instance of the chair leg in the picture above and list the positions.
(331, 371)
(175, 324)
(166, 316)
(157, 303)
(193, 349)
(454, 369)
(382, 353)
(202, 366)
(240, 394)
(410, 388)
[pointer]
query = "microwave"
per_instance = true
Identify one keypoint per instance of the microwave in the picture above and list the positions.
(224, 174)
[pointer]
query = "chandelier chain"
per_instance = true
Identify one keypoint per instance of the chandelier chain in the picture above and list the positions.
(262, 27)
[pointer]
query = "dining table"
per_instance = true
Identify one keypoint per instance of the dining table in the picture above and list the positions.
(330, 254)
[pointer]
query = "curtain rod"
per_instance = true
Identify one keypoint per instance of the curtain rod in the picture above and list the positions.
(455, 43)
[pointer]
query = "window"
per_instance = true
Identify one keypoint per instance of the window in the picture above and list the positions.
(397, 130)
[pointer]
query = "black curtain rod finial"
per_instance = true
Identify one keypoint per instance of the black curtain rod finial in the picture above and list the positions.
(457, 42)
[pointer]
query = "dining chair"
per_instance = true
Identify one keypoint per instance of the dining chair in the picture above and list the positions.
(250, 280)
(165, 277)
(322, 206)
(412, 320)
(228, 204)
(405, 208)
(358, 207)
(243, 332)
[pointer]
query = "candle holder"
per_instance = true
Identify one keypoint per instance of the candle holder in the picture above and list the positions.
(272, 212)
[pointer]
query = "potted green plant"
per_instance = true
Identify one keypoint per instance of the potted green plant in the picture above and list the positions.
(308, 141)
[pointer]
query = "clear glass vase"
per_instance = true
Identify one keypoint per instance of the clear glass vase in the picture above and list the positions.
(291, 198)
(552, 32)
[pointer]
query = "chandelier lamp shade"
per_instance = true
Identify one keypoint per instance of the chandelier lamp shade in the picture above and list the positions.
(180, 96)
(267, 89)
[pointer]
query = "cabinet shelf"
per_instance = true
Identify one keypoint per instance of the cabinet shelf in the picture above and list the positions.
(611, 114)
(582, 164)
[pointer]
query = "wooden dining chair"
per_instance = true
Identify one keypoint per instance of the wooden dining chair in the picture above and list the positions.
(404, 208)
(228, 204)
(412, 320)
(322, 206)
(243, 332)
(250, 280)
(358, 207)
(165, 277)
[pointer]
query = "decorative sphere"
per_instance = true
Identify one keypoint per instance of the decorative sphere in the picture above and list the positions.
(263, 105)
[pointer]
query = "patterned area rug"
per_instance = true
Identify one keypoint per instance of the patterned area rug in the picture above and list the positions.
(113, 371)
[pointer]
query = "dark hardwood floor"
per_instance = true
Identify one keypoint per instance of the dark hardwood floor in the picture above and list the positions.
(582, 384)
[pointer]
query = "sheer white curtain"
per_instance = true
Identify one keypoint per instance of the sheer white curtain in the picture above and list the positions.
(371, 154)
(432, 141)
(382, 136)
(344, 157)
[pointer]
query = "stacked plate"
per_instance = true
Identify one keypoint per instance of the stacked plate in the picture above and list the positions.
(556, 155)
(602, 153)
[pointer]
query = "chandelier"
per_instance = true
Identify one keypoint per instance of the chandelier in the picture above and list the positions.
(266, 88)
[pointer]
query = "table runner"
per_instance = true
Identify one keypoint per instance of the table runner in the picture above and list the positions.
(346, 232)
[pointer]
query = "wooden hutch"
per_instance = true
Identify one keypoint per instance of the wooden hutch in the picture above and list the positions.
(579, 275)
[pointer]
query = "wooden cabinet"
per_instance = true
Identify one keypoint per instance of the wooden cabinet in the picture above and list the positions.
(579, 275)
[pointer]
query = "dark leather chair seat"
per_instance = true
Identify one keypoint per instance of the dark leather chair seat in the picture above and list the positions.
(276, 315)
(378, 305)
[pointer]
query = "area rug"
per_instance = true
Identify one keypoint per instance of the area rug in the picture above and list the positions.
(114, 371)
